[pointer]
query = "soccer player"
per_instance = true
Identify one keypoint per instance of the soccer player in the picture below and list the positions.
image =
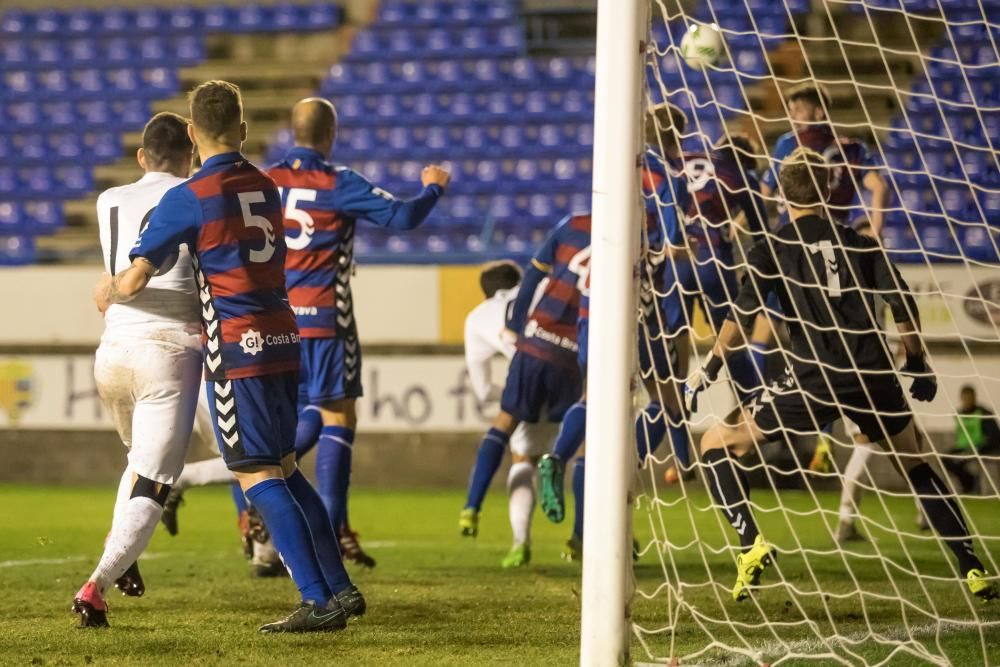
(321, 204)
(484, 327)
(229, 216)
(147, 365)
(543, 374)
(827, 275)
(662, 327)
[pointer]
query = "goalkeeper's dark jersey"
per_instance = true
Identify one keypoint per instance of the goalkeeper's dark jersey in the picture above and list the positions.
(826, 276)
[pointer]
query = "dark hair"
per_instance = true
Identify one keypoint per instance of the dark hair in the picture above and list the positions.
(216, 108)
(813, 93)
(665, 123)
(967, 388)
(502, 274)
(804, 178)
(165, 140)
(741, 147)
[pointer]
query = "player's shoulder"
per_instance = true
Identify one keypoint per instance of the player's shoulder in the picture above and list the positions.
(786, 143)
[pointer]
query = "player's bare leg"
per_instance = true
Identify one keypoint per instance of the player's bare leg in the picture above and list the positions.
(488, 459)
(940, 507)
(728, 486)
(333, 473)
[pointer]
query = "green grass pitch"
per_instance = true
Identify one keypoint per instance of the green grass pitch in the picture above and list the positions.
(436, 599)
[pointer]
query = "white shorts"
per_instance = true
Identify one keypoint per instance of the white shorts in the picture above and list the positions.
(533, 440)
(150, 388)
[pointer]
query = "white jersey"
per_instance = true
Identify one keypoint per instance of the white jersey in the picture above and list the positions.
(483, 341)
(168, 308)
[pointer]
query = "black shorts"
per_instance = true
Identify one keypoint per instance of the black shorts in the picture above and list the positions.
(875, 403)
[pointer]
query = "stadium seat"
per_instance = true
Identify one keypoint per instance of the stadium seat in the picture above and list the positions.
(17, 250)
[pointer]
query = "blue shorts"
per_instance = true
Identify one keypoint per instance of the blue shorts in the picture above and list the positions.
(331, 369)
(254, 418)
(534, 384)
(582, 334)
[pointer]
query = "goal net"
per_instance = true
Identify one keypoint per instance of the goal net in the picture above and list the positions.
(910, 101)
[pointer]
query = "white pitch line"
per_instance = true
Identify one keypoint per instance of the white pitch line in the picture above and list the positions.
(75, 559)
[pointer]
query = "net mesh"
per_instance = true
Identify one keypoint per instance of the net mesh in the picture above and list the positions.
(914, 103)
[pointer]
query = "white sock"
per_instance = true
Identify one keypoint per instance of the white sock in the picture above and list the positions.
(521, 487)
(850, 495)
(203, 473)
(124, 492)
(129, 537)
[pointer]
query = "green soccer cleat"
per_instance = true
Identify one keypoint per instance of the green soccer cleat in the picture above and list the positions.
(983, 588)
(749, 566)
(551, 476)
(572, 550)
(518, 556)
(468, 522)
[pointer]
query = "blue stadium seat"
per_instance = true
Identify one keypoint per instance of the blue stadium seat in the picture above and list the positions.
(186, 20)
(151, 20)
(116, 21)
(937, 240)
(17, 250)
(989, 200)
(979, 242)
(44, 217)
(218, 18)
(16, 23)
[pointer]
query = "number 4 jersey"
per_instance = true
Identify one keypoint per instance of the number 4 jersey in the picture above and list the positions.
(167, 310)
(321, 204)
(229, 216)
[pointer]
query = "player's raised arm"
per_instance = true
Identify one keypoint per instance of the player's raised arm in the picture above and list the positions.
(359, 198)
(875, 183)
(536, 271)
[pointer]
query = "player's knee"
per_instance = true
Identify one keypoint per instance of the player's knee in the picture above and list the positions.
(289, 465)
(713, 438)
(341, 412)
(504, 421)
(147, 488)
(519, 458)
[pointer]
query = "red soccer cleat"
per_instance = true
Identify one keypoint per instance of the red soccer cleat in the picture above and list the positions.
(90, 604)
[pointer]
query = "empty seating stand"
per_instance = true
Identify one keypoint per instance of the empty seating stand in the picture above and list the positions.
(72, 82)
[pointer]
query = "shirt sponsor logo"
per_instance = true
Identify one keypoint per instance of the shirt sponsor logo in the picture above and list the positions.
(252, 342)
(533, 330)
(305, 310)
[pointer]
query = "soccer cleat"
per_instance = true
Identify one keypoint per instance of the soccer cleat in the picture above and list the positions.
(983, 588)
(352, 601)
(130, 583)
(518, 556)
(266, 562)
(351, 549)
(749, 566)
(552, 478)
(169, 517)
(468, 522)
(90, 605)
(573, 549)
(822, 460)
(310, 617)
(848, 532)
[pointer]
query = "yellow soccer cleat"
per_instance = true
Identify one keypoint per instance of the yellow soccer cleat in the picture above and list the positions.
(822, 460)
(468, 522)
(983, 588)
(749, 566)
(518, 556)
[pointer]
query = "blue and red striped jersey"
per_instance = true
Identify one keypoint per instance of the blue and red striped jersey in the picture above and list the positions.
(229, 215)
(850, 158)
(666, 196)
(720, 189)
(550, 333)
(322, 202)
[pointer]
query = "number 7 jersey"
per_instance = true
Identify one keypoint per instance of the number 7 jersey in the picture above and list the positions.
(229, 216)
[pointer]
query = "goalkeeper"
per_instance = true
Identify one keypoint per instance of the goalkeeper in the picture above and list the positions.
(826, 277)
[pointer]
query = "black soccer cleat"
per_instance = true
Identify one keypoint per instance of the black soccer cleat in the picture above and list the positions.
(310, 618)
(352, 601)
(170, 505)
(131, 583)
(351, 549)
(90, 605)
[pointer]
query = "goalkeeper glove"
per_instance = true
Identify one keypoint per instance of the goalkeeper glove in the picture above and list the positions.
(924, 387)
(697, 383)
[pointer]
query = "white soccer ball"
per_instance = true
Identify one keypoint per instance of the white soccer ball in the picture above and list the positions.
(702, 45)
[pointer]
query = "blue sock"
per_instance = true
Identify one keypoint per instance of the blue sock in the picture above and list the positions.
(287, 524)
(572, 432)
(327, 547)
(578, 472)
(307, 432)
(333, 471)
(680, 440)
(239, 499)
(650, 427)
(488, 461)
